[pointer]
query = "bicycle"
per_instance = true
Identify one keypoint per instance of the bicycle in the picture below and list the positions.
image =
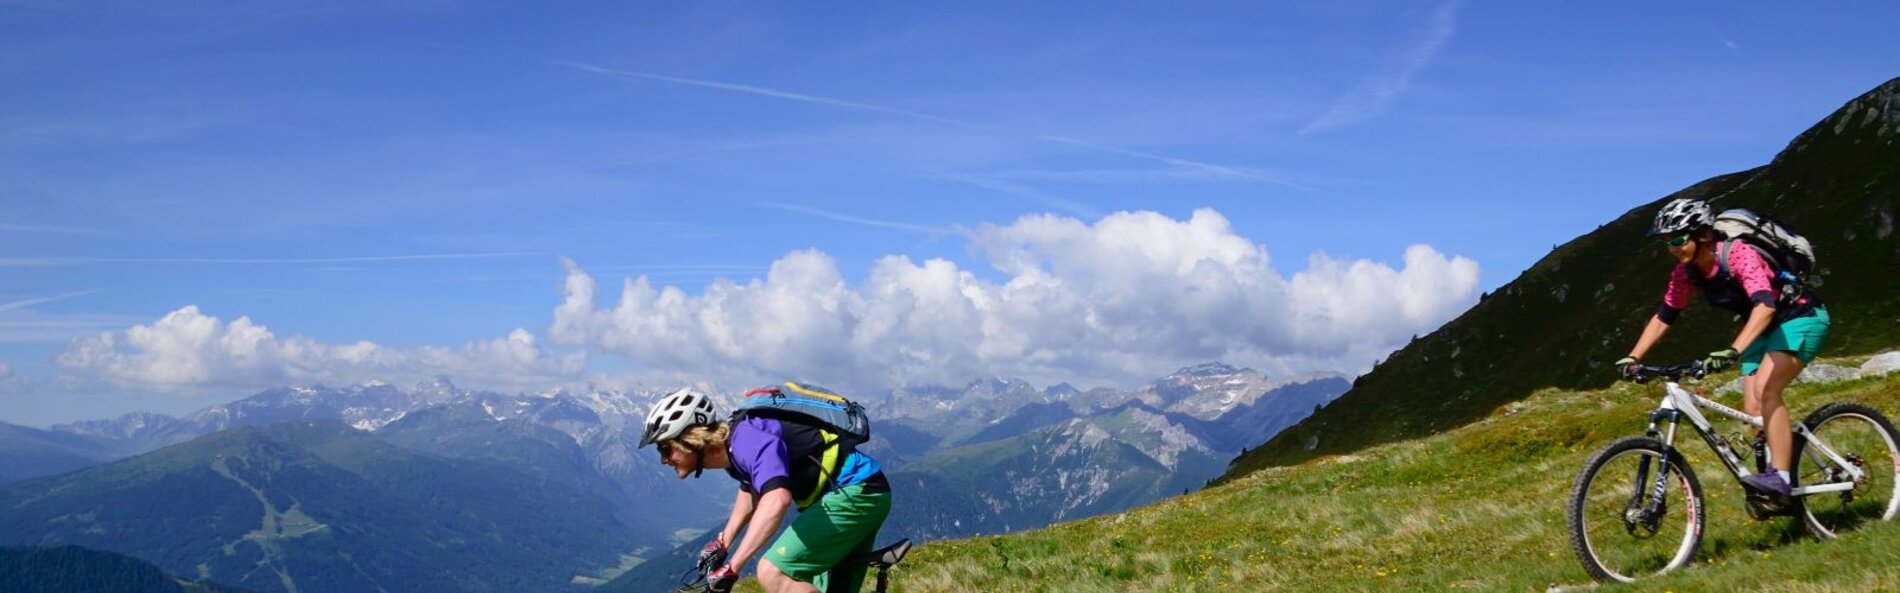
(880, 560)
(1623, 525)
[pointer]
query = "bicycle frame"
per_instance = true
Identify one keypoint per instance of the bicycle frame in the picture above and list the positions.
(1679, 403)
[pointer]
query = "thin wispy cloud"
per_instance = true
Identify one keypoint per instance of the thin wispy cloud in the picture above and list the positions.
(1229, 172)
(49, 229)
(1148, 175)
(1217, 170)
(858, 220)
(76, 261)
(22, 304)
(770, 92)
(1056, 202)
(682, 269)
(1371, 96)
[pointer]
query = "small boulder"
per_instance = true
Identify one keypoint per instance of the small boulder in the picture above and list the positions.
(1881, 364)
(1819, 372)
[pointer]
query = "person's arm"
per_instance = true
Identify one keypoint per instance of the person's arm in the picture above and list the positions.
(741, 511)
(770, 511)
(1758, 320)
(1675, 298)
(1652, 333)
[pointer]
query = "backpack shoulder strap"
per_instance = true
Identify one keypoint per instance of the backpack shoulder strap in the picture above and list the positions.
(827, 460)
(1721, 255)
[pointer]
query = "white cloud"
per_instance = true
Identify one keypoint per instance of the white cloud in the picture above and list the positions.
(1127, 298)
(188, 352)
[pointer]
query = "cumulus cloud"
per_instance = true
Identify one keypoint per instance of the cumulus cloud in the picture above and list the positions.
(189, 352)
(1126, 298)
(7, 380)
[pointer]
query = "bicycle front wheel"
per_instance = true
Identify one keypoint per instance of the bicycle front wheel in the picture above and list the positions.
(1622, 526)
(1865, 438)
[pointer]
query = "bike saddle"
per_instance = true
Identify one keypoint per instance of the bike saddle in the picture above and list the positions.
(887, 555)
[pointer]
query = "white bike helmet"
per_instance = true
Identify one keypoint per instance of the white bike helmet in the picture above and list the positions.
(675, 412)
(1681, 215)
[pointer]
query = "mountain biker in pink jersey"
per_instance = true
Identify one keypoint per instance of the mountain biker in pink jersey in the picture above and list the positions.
(1782, 333)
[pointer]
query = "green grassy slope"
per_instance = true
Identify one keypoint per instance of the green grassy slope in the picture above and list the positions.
(1478, 508)
(1561, 322)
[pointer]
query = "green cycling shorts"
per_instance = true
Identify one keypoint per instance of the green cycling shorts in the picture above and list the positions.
(843, 524)
(1802, 336)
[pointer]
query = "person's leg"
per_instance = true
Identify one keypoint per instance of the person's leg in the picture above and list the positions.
(861, 515)
(848, 577)
(776, 581)
(1752, 376)
(823, 536)
(1778, 369)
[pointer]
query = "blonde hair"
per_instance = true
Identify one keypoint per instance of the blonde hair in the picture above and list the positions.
(700, 437)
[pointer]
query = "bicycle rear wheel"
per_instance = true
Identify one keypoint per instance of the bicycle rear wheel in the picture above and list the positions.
(1619, 529)
(1866, 438)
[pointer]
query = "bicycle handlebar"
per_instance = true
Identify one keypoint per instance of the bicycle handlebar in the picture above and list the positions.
(1673, 372)
(693, 581)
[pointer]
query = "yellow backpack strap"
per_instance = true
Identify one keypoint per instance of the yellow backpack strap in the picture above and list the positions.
(819, 393)
(827, 461)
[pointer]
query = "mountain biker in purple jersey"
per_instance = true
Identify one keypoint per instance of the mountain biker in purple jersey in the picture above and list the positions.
(1781, 334)
(777, 464)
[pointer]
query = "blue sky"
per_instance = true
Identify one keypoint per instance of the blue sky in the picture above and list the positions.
(198, 200)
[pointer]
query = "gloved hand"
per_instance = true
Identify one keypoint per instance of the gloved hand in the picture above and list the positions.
(1626, 368)
(714, 554)
(1720, 359)
(722, 580)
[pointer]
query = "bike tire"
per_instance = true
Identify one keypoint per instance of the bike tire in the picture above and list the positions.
(1851, 429)
(1607, 545)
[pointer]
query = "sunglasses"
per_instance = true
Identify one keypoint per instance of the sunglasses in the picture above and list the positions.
(1677, 241)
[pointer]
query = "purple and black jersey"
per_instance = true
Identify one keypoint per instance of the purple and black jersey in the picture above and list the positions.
(767, 453)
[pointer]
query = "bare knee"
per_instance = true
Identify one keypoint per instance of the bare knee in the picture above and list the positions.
(770, 576)
(1778, 369)
(776, 581)
(1751, 393)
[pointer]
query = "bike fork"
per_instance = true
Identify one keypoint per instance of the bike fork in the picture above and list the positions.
(1653, 508)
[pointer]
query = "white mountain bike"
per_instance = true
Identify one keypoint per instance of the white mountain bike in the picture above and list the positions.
(1636, 509)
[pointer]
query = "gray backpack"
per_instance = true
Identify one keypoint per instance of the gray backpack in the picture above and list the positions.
(1790, 253)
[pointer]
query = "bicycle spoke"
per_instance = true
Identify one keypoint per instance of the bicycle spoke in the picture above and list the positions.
(1621, 530)
(1867, 442)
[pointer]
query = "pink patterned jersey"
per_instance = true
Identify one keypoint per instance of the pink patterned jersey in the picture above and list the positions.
(1745, 265)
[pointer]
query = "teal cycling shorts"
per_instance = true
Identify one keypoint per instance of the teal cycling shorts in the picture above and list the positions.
(1801, 336)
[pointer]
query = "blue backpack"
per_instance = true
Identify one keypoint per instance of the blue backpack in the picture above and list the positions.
(842, 422)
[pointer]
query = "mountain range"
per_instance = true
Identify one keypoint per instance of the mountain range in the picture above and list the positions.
(379, 487)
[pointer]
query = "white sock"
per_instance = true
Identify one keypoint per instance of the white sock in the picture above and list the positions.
(1784, 475)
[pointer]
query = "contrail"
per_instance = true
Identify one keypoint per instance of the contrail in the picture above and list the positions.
(53, 229)
(36, 301)
(1215, 169)
(1016, 189)
(69, 261)
(1371, 97)
(755, 90)
(857, 220)
(807, 98)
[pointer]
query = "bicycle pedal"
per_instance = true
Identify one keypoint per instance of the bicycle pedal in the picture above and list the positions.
(1763, 508)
